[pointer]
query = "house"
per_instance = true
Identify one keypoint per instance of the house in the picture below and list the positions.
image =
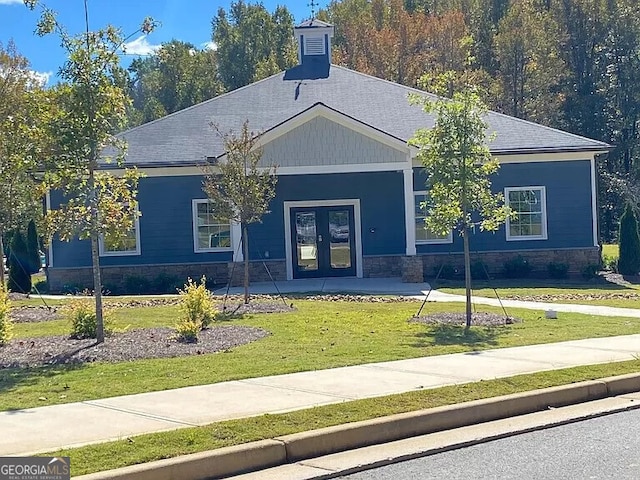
(349, 188)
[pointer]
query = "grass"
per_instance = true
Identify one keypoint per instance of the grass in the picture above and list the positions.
(546, 290)
(146, 448)
(610, 251)
(318, 335)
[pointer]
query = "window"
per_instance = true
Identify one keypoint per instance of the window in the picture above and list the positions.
(530, 219)
(423, 234)
(129, 244)
(211, 234)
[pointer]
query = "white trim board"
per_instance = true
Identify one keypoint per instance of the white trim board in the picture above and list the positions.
(357, 223)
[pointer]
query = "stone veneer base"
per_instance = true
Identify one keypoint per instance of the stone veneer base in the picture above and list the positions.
(410, 269)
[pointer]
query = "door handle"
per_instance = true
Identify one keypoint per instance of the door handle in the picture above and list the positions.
(319, 238)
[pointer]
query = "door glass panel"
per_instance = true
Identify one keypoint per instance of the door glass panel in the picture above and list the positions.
(306, 241)
(340, 245)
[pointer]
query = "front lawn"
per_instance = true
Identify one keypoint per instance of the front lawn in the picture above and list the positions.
(320, 334)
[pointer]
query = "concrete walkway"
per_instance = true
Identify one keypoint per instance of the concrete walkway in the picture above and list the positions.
(48, 428)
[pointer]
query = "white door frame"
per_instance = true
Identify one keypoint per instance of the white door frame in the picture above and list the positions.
(354, 202)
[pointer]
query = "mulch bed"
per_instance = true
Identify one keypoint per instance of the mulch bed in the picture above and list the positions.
(121, 347)
(484, 319)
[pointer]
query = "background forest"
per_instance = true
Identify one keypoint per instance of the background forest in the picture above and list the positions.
(569, 64)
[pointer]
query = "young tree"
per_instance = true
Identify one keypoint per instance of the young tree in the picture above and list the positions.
(93, 105)
(239, 190)
(458, 166)
(629, 259)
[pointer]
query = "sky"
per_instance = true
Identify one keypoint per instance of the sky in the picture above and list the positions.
(185, 20)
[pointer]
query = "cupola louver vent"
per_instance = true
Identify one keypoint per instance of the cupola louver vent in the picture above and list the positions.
(314, 46)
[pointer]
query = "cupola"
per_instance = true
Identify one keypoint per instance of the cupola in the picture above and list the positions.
(314, 42)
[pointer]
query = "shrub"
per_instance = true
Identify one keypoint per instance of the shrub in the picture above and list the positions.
(447, 272)
(187, 331)
(81, 314)
(164, 283)
(590, 271)
(33, 248)
(610, 263)
(629, 258)
(557, 270)
(196, 303)
(517, 267)
(19, 276)
(136, 285)
(6, 325)
(479, 271)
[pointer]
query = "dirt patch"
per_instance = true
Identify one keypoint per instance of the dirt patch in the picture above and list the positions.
(122, 347)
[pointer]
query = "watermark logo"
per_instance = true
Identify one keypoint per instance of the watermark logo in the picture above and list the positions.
(35, 468)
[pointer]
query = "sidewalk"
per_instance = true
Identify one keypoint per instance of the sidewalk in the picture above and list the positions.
(48, 428)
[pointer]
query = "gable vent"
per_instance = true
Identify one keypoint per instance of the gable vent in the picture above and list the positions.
(314, 46)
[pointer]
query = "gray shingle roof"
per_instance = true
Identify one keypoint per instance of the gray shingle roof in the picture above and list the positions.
(187, 138)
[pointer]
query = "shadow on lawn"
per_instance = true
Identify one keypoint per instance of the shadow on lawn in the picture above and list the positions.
(443, 334)
(14, 377)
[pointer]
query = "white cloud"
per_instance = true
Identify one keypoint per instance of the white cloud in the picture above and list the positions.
(139, 46)
(41, 78)
(209, 46)
(10, 2)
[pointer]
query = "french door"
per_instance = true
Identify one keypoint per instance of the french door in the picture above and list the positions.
(323, 241)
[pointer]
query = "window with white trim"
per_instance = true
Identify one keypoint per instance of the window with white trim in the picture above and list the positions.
(127, 244)
(210, 234)
(529, 221)
(423, 234)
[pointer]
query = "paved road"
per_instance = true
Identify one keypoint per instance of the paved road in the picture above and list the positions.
(602, 448)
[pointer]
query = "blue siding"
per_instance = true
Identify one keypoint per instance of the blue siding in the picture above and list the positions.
(381, 210)
(166, 228)
(569, 216)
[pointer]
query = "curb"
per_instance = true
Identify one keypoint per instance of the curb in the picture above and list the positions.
(228, 461)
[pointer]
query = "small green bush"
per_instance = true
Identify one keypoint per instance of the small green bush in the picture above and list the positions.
(557, 270)
(6, 325)
(447, 272)
(517, 267)
(136, 285)
(590, 271)
(610, 263)
(81, 314)
(479, 271)
(164, 283)
(187, 331)
(196, 303)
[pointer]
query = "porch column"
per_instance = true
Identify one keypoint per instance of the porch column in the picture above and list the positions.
(236, 238)
(409, 212)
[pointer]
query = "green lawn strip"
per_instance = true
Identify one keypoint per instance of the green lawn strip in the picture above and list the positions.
(318, 335)
(149, 447)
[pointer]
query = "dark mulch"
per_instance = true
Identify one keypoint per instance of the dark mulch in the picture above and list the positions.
(122, 347)
(484, 319)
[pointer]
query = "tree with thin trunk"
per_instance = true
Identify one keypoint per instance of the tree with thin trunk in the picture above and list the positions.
(92, 106)
(458, 166)
(239, 188)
